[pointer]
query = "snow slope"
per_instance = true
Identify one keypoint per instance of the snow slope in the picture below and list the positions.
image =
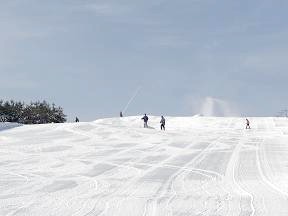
(8, 125)
(114, 167)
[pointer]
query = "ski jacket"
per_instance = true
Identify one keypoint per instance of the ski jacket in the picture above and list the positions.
(162, 121)
(145, 118)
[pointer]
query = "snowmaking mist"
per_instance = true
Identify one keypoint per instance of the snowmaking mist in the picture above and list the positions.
(217, 107)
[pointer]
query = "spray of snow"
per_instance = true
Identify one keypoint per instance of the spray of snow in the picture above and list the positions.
(216, 107)
(132, 98)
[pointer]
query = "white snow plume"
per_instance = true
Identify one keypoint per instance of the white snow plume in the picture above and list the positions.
(217, 107)
(131, 99)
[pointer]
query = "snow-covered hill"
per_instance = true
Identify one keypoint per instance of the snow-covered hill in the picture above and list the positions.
(7, 125)
(114, 167)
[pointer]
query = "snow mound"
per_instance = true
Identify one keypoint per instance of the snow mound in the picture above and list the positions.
(7, 125)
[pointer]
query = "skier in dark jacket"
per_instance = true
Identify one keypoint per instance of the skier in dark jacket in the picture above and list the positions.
(162, 123)
(76, 120)
(247, 124)
(145, 118)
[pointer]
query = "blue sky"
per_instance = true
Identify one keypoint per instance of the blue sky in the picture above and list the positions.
(89, 56)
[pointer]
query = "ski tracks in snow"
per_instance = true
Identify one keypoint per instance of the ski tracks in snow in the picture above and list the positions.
(113, 167)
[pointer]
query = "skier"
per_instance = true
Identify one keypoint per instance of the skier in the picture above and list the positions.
(121, 114)
(76, 120)
(162, 123)
(247, 124)
(145, 118)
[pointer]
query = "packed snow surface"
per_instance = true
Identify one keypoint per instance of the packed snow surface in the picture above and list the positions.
(114, 167)
(8, 125)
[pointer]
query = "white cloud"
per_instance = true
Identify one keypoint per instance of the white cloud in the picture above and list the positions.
(167, 41)
(102, 9)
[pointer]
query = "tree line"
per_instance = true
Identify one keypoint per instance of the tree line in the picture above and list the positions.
(33, 113)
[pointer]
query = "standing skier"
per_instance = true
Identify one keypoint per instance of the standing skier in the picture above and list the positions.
(76, 120)
(162, 123)
(145, 119)
(247, 124)
(121, 114)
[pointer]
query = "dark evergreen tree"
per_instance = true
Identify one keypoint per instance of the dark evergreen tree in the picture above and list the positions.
(34, 113)
(11, 111)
